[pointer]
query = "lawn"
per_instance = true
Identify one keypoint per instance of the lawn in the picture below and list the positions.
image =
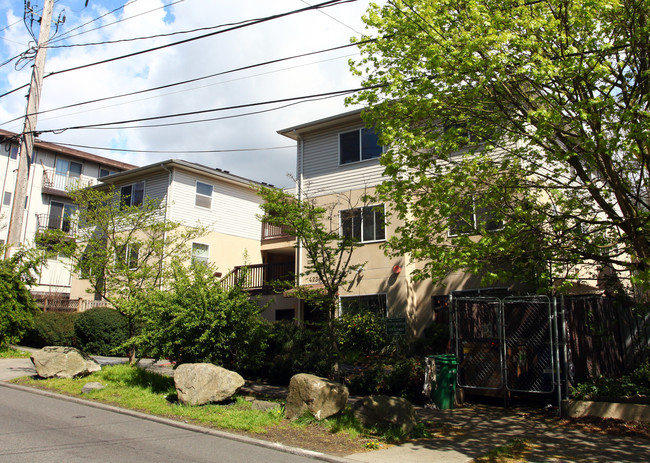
(10, 352)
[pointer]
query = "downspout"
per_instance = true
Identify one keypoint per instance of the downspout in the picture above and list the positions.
(299, 182)
(169, 187)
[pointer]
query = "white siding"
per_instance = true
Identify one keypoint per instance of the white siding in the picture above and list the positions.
(322, 173)
(233, 212)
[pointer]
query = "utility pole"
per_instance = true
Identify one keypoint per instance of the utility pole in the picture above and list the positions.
(27, 137)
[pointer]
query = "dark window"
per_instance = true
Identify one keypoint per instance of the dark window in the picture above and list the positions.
(366, 224)
(127, 256)
(104, 172)
(473, 219)
(13, 153)
(376, 303)
(358, 145)
(7, 199)
(132, 195)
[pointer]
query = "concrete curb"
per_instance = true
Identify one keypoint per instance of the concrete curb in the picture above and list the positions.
(183, 425)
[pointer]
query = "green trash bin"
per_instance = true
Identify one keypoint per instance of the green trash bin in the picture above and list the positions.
(445, 394)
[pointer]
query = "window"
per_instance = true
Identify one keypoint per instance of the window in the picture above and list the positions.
(376, 303)
(127, 256)
(200, 254)
(6, 201)
(473, 219)
(366, 224)
(203, 195)
(132, 195)
(104, 172)
(61, 215)
(13, 154)
(66, 174)
(358, 145)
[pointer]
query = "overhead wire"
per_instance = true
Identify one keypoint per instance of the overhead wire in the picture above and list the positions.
(197, 79)
(123, 150)
(204, 111)
(248, 23)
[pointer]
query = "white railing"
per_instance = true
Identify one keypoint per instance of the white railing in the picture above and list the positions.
(64, 182)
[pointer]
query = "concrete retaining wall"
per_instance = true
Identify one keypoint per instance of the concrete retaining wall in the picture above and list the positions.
(620, 411)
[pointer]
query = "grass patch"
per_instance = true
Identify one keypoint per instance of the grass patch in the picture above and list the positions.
(11, 353)
(137, 389)
(512, 452)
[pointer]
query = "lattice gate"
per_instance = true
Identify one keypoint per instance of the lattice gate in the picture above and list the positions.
(507, 344)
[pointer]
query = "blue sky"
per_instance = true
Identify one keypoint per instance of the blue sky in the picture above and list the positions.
(226, 138)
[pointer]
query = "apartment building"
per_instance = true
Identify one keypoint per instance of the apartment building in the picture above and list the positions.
(53, 170)
(337, 166)
(195, 195)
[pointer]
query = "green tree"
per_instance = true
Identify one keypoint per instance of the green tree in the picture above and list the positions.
(523, 123)
(196, 319)
(328, 252)
(124, 251)
(17, 306)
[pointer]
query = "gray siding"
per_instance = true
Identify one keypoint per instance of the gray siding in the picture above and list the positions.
(322, 173)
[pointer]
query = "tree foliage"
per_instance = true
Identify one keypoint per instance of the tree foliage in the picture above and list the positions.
(196, 319)
(124, 251)
(527, 122)
(17, 306)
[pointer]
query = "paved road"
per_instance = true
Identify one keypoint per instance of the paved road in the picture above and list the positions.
(36, 428)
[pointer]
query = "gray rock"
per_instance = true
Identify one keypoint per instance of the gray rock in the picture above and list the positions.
(264, 405)
(92, 386)
(383, 412)
(319, 396)
(63, 362)
(202, 383)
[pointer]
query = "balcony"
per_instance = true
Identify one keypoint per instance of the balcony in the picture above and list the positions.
(54, 222)
(258, 278)
(58, 183)
(274, 232)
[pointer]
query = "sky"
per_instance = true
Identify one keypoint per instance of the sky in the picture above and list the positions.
(236, 140)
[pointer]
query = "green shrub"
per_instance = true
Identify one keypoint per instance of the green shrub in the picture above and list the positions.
(101, 331)
(635, 384)
(296, 349)
(434, 340)
(400, 377)
(17, 306)
(51, 329)
(197, 320)
(361, 333)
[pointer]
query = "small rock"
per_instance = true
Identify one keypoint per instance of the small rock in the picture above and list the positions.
(92, 386)
(384, 411)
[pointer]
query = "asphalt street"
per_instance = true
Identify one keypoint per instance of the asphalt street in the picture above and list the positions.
(37, 428)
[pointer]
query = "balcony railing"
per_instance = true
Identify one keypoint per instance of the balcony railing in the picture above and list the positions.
(61, 182)
(54, 222)
(274, 231)
(259, 277)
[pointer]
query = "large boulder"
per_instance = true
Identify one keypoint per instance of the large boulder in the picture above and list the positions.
(63, 362)
(382, 411)
(202, 383)
(319, 396)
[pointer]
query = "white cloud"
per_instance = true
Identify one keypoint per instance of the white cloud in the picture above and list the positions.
(275, 39)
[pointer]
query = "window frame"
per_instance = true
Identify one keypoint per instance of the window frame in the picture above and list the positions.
(129, 256)
(198, 195)
(195, 259)
(476, 215)
(341, 311)
(361, 224)
(360, 140)
(131, 195)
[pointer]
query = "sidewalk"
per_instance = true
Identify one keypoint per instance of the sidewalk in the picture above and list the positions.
(465, 433)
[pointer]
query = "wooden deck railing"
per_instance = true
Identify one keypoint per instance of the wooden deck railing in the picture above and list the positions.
(259, 277)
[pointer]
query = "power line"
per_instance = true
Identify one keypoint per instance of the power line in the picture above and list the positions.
(325, 4)
(204, 111)
(197, 79)
(177, 151)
